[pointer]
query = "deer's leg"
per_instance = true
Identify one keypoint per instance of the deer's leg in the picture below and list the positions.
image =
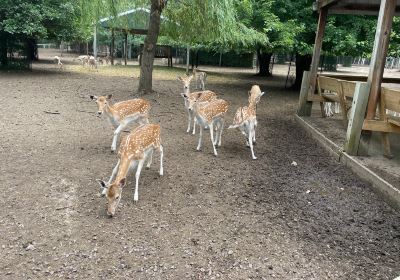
(221, 128)
(200, 138)
(137, 176)
(117, 132)
(149, 158)
(212, 138)
(161, 160)
(254, 132)
(189, 119)
(250, 141)
(194, 125)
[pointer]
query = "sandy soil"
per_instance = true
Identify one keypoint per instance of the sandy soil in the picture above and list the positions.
(225, 217)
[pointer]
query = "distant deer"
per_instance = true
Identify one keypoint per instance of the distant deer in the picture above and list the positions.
(209, 114)
(92, 62)
(57, 60)
(246, 120)
(135, 149)
(200, 79)
(123, 113)
(203, 95)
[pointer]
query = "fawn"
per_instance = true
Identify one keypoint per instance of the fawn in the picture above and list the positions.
(201, 95)
(200, 78)
(209, 114)
(246, 120)
(135, 149)
(122, 114)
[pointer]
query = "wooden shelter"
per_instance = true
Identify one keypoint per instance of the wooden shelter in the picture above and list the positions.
(366, 95)
(135, 21)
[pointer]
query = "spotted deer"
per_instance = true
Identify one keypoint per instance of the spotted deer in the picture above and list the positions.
(246, 120)
(201, 95)
(209, 114)
(135, 149)
(92, 62)
(200, 79)
(122, 114)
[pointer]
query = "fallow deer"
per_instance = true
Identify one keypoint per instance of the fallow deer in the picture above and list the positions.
(57, 60)
(122, 114)
(200, 78)
(92, 62)
(201, 95)
(209, 114)
(135, 149)
(246, 120)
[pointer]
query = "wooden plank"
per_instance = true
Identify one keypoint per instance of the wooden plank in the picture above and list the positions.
(356, 118)
(391, 98)
(348, 88)
(316, 98)
(379, 53)
(325, 3)
(305, 106)
(328, 83)
(381, 126)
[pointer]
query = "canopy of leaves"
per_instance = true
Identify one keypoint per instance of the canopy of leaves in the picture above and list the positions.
(52, 19)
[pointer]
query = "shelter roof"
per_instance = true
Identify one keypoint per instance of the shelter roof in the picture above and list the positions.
(356, 7)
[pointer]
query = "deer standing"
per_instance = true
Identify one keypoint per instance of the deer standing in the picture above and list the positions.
(123, 113)
(200, 78)
(209, 114)
(135, 149)
(57, 60)
(246, 120)
(201, 95)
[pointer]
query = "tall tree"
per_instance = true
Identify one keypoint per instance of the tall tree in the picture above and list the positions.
(146, 69)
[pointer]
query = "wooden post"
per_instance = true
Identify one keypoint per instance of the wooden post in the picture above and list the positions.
(304, 91)
(356, 119)
(112, 46)
(126, 48)
(382, 36)
(304, 104)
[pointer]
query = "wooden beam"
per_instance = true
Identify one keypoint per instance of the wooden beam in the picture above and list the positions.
(356, 118)
(303, 109)
(381, 126)
(325, 3)
(304, 105)
(379, 53)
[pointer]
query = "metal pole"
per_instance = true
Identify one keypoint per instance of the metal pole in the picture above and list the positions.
(95, 42)
(187, 59)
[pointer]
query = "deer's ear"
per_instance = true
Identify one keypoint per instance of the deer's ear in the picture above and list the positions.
(109, 96)
(122, 182)
(93, 97)
(102, 183)
(179, 78)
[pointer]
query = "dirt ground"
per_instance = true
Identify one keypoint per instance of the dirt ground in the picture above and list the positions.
(225, 217)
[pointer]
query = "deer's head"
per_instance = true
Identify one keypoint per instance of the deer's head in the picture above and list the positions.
(255, 94)
(113, 194)
(186, 82)
(101, 101)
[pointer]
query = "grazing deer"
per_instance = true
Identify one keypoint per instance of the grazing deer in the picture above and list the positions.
(135, 149)
(246, 120)
(201, 95)
(123, 113)
(200, 78)
(209, 114)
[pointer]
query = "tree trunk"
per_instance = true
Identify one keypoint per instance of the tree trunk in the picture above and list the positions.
(146, 69)
(303, 63)
(264, 60)
(3, 49)
(32, 53)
